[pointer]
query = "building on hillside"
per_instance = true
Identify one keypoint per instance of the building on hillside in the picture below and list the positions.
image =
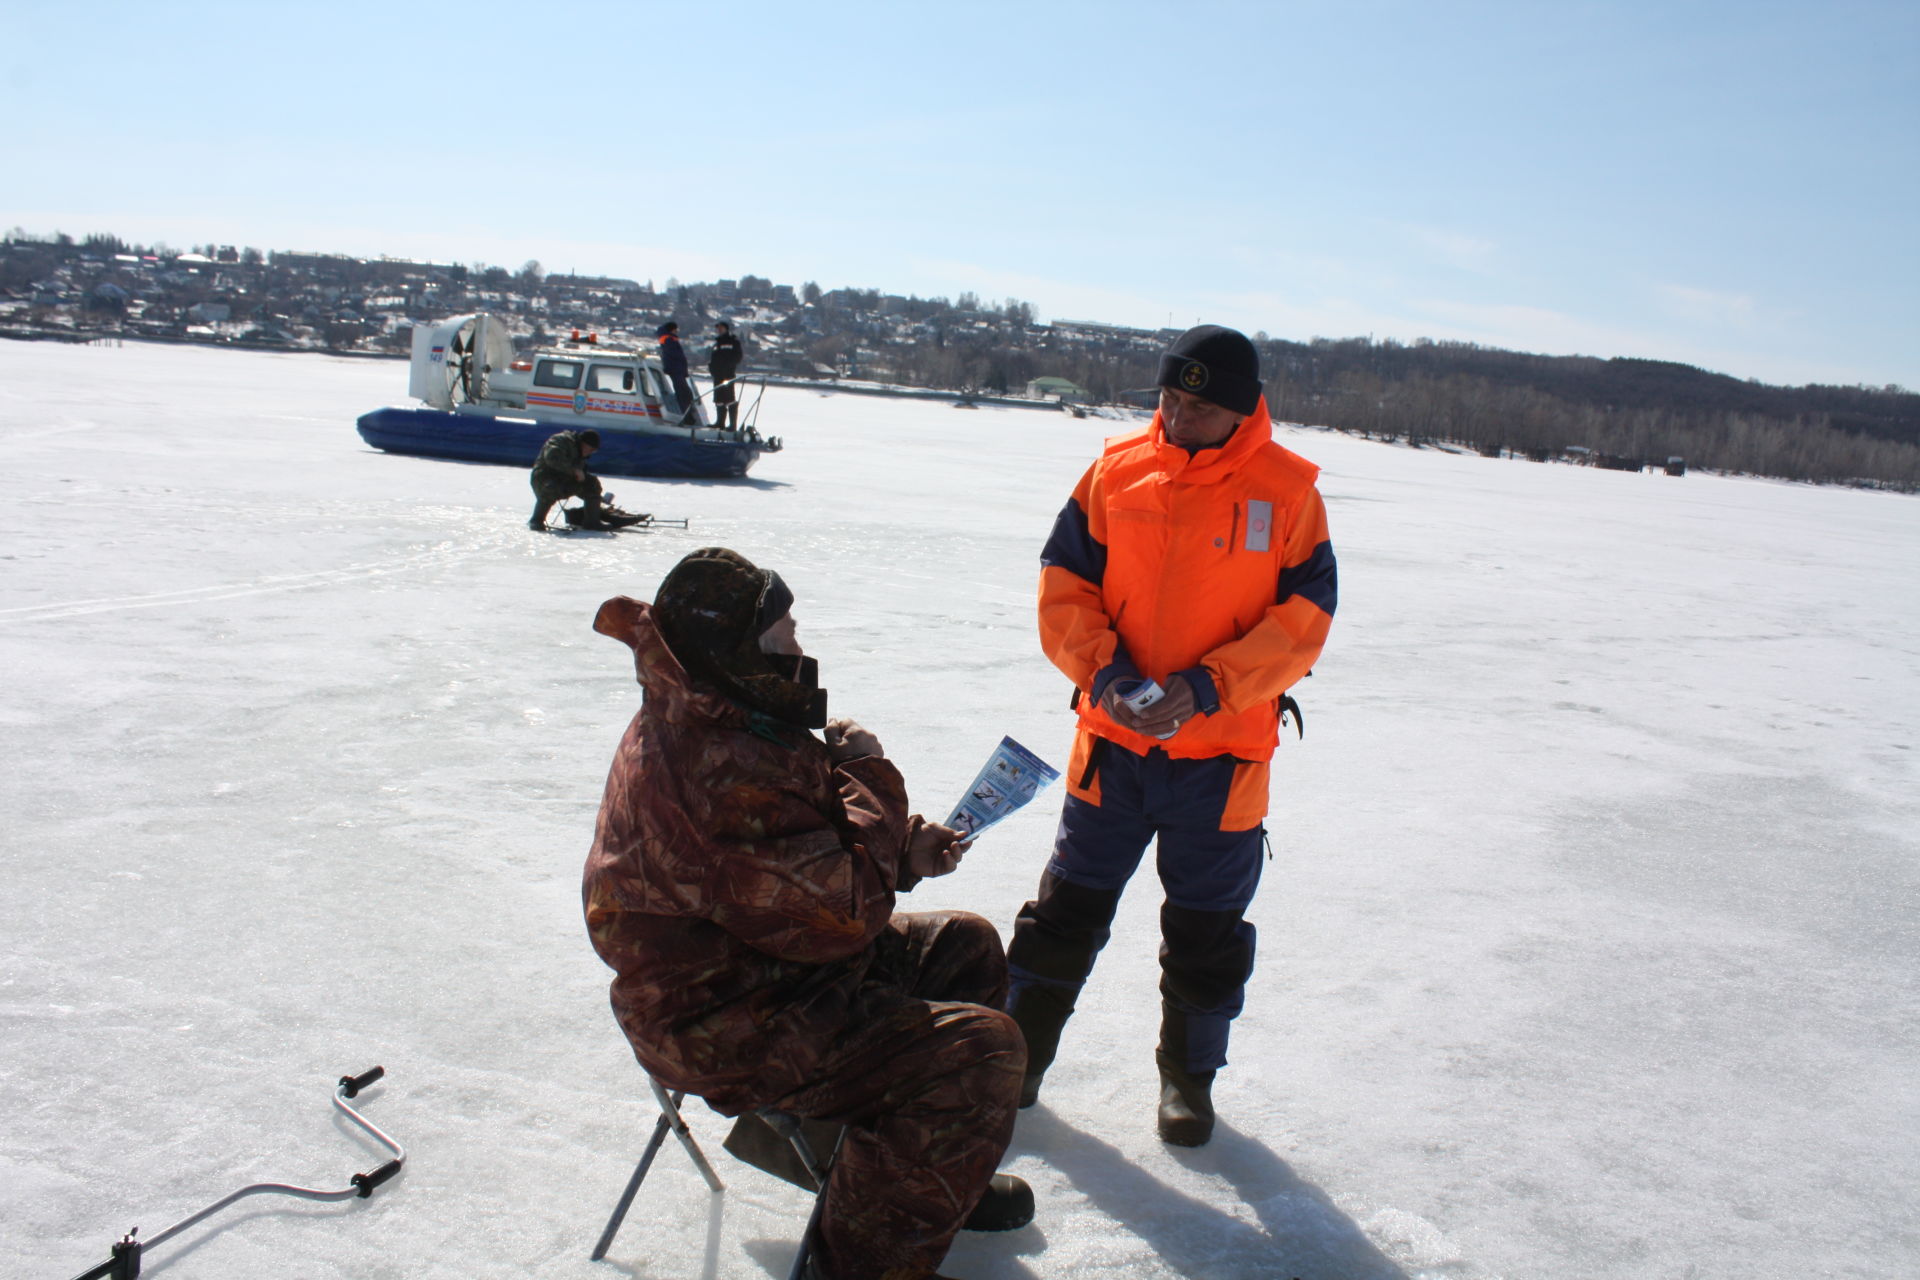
(1060, 389)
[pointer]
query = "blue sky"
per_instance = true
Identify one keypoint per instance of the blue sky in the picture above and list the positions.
(1731, 185)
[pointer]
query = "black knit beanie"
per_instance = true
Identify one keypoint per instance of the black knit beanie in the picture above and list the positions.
(590, 437)
(1216, 364)
(713, 607)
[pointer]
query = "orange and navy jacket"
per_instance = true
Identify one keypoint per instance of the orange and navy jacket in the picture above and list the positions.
(1214, 566)
(673, 356)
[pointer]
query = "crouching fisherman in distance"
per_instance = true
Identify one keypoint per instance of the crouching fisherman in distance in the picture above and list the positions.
(741, 886)
(560, 472)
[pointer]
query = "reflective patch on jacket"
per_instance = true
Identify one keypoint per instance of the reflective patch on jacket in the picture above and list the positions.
(1259, 525)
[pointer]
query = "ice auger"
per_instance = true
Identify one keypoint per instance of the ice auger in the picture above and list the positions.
(124, 1264)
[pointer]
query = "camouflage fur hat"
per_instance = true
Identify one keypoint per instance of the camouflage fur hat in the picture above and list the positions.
(713, 607)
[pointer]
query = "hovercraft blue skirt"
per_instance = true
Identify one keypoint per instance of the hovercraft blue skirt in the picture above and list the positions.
(515, 442)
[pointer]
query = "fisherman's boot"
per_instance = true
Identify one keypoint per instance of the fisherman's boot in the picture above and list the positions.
(1055, 940)
(1007, 1206)
(590, 517)
(814, 1271)
(540, 510)
(1186, 1106)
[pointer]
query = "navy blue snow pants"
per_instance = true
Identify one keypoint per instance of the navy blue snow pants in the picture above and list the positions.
(1209, 875)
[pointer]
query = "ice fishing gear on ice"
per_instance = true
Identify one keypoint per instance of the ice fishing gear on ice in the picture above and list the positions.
(607, 515)
(124, 1264)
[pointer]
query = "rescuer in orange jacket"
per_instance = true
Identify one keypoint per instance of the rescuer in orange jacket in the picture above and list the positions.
(1193, 554)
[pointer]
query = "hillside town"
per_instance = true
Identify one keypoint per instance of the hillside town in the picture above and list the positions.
(220, 294)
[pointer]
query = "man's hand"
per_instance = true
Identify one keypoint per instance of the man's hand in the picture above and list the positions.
(1164, 717)
(846, 740)
(934, 850)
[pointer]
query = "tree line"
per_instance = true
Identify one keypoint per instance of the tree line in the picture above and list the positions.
(1625, 411)
(1634, 411)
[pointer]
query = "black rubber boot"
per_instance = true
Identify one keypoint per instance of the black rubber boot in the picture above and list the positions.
(1055, 938)
(1205, 960)
(1186, 1106)
(1041, 1013)
(1007, 1206)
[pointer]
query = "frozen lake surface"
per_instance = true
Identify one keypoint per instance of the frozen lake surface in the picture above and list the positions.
(1587, 950)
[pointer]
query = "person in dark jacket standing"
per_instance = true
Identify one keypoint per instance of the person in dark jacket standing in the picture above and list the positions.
(561, 472)
(723, 365)
(741, 886)
(673, 359)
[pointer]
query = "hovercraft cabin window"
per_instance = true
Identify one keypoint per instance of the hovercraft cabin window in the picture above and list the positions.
(611, 377)
(558, 373)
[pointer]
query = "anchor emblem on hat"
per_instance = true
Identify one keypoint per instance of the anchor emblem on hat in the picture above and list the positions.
(1194, 376)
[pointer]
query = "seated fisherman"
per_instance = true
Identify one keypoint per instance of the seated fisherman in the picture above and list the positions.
(741, 886)
(560, 472)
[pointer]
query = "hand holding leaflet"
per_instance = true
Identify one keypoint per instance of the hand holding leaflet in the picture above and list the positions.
(1011, 776)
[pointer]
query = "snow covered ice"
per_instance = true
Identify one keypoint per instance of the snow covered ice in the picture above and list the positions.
(1587, 948)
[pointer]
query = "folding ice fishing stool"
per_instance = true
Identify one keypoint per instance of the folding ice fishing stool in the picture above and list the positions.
(785, 1125)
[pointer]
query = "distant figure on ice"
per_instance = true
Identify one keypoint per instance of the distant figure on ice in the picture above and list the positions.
(741, 886)
(723, 365)
(560, 472)
(673, 360)
(1192, 564)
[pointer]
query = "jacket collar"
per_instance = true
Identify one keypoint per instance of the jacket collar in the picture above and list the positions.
(677, 696)
(671, 692)
(1209, 466)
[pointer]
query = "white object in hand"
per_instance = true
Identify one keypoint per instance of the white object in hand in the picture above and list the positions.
(1141, 694)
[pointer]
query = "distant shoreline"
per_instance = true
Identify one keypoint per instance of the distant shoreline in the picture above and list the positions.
(82, 338)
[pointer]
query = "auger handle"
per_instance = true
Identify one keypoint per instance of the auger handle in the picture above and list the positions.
(352, 1085)
(366, 1182)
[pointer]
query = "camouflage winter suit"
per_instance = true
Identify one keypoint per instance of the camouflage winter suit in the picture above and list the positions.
(741, 886)
(552, 476)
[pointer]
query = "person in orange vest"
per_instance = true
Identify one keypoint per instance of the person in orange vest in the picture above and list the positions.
(1187, 584)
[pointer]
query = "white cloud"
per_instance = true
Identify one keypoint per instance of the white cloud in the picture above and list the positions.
(1708, 306)
(1454, 248)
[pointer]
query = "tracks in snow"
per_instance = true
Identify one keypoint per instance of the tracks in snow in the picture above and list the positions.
(440, 555)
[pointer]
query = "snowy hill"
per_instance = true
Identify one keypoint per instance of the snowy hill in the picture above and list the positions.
(1587, 949)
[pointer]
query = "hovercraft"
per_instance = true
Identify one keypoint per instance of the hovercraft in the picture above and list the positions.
(485, 401)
